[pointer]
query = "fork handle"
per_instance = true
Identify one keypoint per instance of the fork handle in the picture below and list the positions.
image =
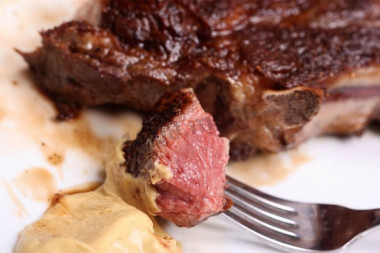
(364, 220)
(376, 217)
(369, 219)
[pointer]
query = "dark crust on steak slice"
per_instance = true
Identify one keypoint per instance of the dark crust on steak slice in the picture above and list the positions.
(169, 106)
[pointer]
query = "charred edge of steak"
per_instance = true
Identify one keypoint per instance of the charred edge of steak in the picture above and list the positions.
(169, 106)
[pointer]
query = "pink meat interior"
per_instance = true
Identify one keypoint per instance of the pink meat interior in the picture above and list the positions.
(190, 145)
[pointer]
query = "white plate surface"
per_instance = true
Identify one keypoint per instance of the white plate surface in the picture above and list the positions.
(40, 157)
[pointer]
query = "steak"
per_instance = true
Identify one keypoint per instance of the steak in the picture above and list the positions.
(271, 73)
(179, 153)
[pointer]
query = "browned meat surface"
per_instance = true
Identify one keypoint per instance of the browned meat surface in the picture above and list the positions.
(269, 83)
(180, 153)
(185, 20)
(83, 65)
(174, 28)
(177, 21)
(340, 13)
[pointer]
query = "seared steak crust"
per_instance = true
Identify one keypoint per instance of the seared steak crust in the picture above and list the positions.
(308, 57)
(157, 22)
(245, 60)
(341, 13)
(170, 105)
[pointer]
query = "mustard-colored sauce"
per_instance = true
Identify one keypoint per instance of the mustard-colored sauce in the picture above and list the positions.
(99, 221)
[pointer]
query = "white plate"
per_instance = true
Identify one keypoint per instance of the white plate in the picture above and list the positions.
(40, 157)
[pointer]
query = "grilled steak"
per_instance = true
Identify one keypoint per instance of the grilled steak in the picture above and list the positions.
(167, 23)
(272, 73)
(179, 153)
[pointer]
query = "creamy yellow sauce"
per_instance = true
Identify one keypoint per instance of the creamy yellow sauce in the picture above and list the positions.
(99, 221)
(137, 191)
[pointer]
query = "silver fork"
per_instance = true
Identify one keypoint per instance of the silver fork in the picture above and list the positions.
(297, 227)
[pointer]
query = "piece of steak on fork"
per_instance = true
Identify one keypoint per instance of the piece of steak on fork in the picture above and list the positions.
(180, 155)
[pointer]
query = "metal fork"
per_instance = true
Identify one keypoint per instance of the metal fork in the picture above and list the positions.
(297, 227)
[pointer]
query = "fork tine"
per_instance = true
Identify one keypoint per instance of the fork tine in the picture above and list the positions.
(262, 214)
(257, 198)
(260, 228)
(252, 202)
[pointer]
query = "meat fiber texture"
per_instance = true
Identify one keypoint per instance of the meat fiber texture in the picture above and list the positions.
(271, 73)
(180, 154)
